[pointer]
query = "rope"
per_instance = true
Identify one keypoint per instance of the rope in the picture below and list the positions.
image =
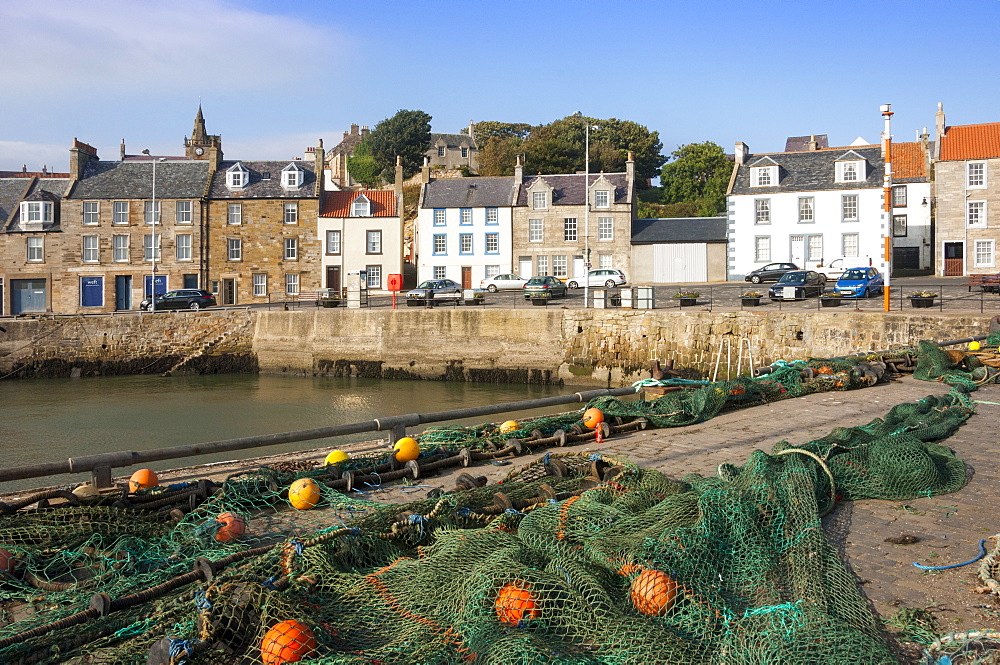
(982, 553)
(833, 485)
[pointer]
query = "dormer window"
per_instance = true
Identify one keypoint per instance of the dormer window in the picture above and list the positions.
(851, 171)
(292, 176)
(362, 207)
(764, 176)
(237, 176)
(36, 213)
(602, 198)
(539, 200)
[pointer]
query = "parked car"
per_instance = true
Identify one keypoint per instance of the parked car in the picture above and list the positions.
(860, 283)
(180, 299)
(798, 284)
(434, 289)
(508, 282)
(606, 277)
(769, 273)
(834, 268)
(547, 284)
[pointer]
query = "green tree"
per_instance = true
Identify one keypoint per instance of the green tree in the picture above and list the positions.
(698, 174)
(407, 134)
(499, 144)
(362, 167)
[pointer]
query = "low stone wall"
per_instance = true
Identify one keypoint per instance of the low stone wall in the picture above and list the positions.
(575, 347)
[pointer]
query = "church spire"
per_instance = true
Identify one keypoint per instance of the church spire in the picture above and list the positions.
(198, 133)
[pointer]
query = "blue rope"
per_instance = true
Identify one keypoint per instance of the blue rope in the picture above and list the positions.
(511, 511)
(982, 553)
(297, 546)
(463, 511)
(419, 520)
(201, 601)
(269, 583)
(595, 457)
(180, 646)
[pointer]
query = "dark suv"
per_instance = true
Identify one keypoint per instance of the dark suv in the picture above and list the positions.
(181, 299)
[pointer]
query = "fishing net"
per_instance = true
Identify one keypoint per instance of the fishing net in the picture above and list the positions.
(571, 559)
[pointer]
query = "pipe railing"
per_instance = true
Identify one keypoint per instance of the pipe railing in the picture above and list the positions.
(101, 464)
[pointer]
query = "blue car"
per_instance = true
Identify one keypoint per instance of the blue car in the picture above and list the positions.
(859, 283)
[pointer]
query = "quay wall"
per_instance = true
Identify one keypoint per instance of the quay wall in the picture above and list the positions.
(575, 347)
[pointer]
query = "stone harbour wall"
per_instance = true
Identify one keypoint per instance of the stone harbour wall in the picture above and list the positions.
(551, 346)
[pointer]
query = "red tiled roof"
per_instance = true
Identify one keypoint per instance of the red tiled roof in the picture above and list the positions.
(908, 161)
(971, 141)
(338, 204)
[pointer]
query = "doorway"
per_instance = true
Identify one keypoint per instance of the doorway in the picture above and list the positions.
(123, 292)
(229, 292)
(954, 259)
(524, 268)
(333, 278)
(27, 295)
(466, 277)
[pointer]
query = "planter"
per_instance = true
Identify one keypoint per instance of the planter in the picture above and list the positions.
(688, 302)
(830, 302)
(476, 301)
(921, 303)
(750, 302)
(615, 300)
(329, 303)
(539, 302)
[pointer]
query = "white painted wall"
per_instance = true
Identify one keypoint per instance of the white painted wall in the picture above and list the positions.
(452, 260)
(353, 238)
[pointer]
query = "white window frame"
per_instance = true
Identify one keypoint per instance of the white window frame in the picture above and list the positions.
(373, 241)
(34, 249)
(542, 261)
(182, 246)
(440, 217)
(605, 229)
(291, 283)
(491, 271)
(120, 247)
(979, 215)
(259, 284)
(361, 207)
(440, 272)
(183, 212)
(292, 177)
(119, 214)
(847, 203)
(807, 210)
(536, 229)
(492, 217)
(605, 261)
(983, 253)
(764, 176)
(539, 200)
(762, 249)
(465, 152)
(148, 213)
(147, 247)
(850, 244)
(465, 244)
(373, 276)
(899, 196)
(237, 176)
(440, 150)
(762, 211)
(234, 214)
(570, 229)
(91, 252)
(492, 244)
(975, 175)
(291, 211)
(814, 247)
(602, 198)
(234, 249)
(439, 244)
(465, 216)
(333, 242)
(850, 171)
(560, 265)
(36, 211)
(91, 213)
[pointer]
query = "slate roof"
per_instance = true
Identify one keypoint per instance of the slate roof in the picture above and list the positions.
(971, 142)
(11, 192)
(679, 230)
(452, 140)
(495, 191)
(811, 170)
(338, 204)
(909, 163)
(569, 189)
(15, 190)
(134, 180)
(798, 143)
(259, 188)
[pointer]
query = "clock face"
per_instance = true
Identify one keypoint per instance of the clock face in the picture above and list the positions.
(199, 151)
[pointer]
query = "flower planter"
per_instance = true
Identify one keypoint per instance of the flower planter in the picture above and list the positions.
(539, 302)
(475, 301)
(688, 302)
(329, 303)
(830, 302)
(921, 303)
(750, 302)
(615, 300)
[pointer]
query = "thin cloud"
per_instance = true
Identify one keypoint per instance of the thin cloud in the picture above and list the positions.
(33, 156)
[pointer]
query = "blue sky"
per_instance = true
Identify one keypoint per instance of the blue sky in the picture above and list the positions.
(274, 76)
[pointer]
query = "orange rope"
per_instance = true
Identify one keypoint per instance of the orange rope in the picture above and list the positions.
(563, 516)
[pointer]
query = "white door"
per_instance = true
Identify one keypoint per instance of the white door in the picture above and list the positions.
(578, 270)
(798, 250)
(680, 263)
(524, 267)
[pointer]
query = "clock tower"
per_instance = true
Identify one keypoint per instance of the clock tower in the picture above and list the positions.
(203, 145)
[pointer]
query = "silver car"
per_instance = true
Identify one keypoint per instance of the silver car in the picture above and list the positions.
(607, 277)
(508, 282)
(434, 289)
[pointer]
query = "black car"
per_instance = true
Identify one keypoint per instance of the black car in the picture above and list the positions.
(181, 299)
(769, 273)
(798, 284)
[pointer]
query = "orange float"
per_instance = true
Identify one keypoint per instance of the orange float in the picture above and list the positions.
(304, 493)
(231, 527)
(287, 642)
(593, 417)
(653, 592)
(142, 479)
(407, 449)
(515, 603)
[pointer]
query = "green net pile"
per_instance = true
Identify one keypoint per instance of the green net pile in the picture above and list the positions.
(609, 563)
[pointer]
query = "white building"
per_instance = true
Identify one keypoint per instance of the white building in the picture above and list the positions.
(360, 231)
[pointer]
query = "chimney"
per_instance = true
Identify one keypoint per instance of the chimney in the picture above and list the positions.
(741, 152)
(471, 128)
(79, 155)
(425, 171)
(320, 156)
(398, 184)
(939, 126)
(518, 171)
(811, 145)
(364, 131)
(24, 168)
(122, 152)
(354, 130)
(45, 169)
(630, 175)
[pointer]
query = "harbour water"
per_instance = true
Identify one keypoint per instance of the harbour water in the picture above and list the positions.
(49, 420)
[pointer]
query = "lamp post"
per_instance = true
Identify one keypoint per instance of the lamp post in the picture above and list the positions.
(886, 110)
(156, 219)
(586, 210)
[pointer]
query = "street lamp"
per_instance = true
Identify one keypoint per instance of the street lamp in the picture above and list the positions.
(586, 210)
(156, 220)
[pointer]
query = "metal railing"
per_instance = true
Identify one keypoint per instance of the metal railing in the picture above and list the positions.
(101, 465)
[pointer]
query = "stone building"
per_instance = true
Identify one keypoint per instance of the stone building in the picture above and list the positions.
(453, 151)
(966, 196)
(337, 176)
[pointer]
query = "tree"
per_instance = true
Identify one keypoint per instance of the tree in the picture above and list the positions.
(407, 134)
(699, 175)
(362, 167)
(499, 144)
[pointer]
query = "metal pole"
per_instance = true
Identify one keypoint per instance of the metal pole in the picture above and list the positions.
(887, 204)
(586, 219)
(152, 285)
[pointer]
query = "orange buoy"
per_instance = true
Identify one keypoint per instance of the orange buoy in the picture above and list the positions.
(653, 592)
(142, 479)
(515, 603)
(407, 449)
(593, 417)
(287, 642)
(232, 527)
(304, 494)
(7, 562)
(508, 426)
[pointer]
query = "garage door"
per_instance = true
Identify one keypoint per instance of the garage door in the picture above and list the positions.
(680, 263)
(27, 295)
